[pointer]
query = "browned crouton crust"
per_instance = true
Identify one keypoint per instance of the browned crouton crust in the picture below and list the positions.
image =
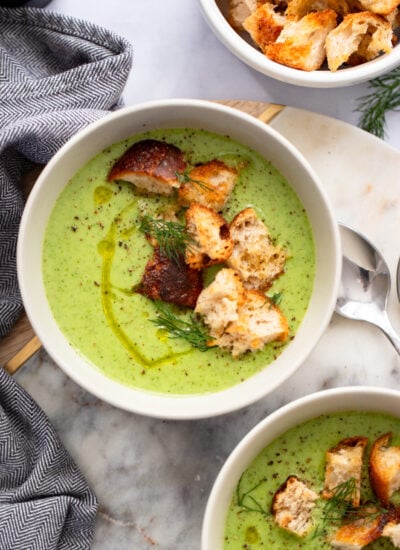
(360, 533)
(170, 281)
(382, 7)
(358, 38)
(212, 243)
(301, 44)
(292, 505)
(384, 468)
(151, 165)
(297, 9)
(265, 25)
(344, 462)
(209, 184)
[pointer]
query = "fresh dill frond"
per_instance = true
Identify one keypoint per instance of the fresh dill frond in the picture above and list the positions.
(244, 497)
(184, 177)
(172, 237)
(192, 330)
(341, 502)
(276, 298)
(383, 97)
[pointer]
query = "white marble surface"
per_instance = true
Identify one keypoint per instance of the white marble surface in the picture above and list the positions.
(152, 477)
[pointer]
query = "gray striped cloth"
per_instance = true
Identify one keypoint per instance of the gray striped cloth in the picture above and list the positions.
(57, 75)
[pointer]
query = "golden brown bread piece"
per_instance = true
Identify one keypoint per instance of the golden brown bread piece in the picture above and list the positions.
(301, 44)
(297, 9)
(361, 532)
(209, 184)
(151, 165)
(212, 243)
(265, 25)
(258, 260)
(239, 10)
(292, 506)
(170, 281)
(384, 468)
(344, 462)
(382, 7)
(358, 38)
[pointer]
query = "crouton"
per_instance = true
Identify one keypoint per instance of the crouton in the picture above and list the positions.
(150, 165)
(384, 468)
(209, 184)
(170, 281)
(301, 44)
(254, 255)
(265, 25)
(392, 531)
(359, 533)
(292, 506)
(359, 37)
(239, 10)
(297, 9)
(344, 462)
(382, 7)
(220, 302)
(212, 243)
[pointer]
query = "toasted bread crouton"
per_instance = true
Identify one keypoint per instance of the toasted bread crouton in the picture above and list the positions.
(170, 281)
(254, 255)
(360, 533)
(344, 462)
(392, 531)
(265, 25)
(292, 506)
(297, 9)
(221, 300)
(212, 243)
(150, 165)
(384, 468)
(359, 37)
(209, 184)
(239, 10)
(301, 44)
(382, 7)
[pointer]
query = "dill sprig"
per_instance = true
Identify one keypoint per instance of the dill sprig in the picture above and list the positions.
(192, 330)
(184, 177)
(246, 500)
(341, 502)
(172, 237)
(384, 97)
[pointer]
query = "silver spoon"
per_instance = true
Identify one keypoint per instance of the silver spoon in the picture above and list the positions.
(365, 284)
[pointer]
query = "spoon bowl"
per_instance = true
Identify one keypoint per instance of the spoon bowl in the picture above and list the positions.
(365, 284)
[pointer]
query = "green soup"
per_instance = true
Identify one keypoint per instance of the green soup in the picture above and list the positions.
(299, 451)
(94, 255)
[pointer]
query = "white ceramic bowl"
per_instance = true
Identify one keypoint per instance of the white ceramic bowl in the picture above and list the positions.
(325, 402)
(165, 114)
(215, 13)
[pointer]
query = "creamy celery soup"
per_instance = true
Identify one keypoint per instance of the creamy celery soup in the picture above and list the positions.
(300, 451)
(94, 256)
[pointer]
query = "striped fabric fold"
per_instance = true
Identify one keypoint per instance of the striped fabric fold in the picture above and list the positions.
(57, 74)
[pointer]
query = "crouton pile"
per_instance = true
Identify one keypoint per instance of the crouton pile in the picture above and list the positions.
(364, 522)
(234, 306)
(306, 34)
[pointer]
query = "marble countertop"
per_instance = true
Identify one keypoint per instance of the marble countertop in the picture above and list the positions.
(153, 477)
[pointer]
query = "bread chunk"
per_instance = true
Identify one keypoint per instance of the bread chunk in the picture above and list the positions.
(359, 37)
(343, 463)
(384, 468)
(150, 165)
(254, 255)
(382, 7)
(212, 243)
(292, 506)
(301, 44)
(209, 184)
(265, 25)
(360, 533)
(239, 320)
(239, 10)
(170, 281)
(297, 9)
(392, 531)
(221, 300)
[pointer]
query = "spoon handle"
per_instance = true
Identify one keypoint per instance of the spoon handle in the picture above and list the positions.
(386, 327)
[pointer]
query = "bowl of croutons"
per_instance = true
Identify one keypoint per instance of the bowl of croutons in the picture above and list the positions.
(321, 472)
(314, 43)
(178, 259)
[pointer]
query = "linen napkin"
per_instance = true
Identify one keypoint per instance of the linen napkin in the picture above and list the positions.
(57, 74)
